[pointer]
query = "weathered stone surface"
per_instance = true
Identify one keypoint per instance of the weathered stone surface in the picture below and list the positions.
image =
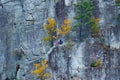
(21, 34)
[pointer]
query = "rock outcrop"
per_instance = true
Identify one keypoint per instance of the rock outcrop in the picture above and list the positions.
(21, 34)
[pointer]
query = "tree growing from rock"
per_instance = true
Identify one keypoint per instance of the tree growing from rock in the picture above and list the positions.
(86, 22)
(40, 70)
(53, 32)
(117, 2)
(94, 29)
(83, 16)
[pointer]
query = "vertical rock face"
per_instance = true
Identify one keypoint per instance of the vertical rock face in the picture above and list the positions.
(109, 56)
(21, 34)
(4, 44)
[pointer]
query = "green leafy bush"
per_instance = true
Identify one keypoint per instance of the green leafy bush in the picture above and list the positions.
(96, 63)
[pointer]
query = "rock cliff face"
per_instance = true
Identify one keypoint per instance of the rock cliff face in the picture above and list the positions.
(21, 34)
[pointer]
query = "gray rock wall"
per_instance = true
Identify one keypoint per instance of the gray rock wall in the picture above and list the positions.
(21, 33)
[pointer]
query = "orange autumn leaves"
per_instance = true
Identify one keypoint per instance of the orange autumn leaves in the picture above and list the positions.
(40, 70)
(53, 32)
(50, 29)
(50, 26)
(65, 28)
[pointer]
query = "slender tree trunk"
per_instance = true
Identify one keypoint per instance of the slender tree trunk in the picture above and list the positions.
(51, 43)
(52, 40)
(80, 35)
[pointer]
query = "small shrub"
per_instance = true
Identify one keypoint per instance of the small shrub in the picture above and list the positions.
(96, 63)
(40, 70)
(95, 30)
(117, 1)
(69, 45)
(105, 48)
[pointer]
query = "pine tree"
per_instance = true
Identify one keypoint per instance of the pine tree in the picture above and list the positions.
(83, 15)
(118, 16)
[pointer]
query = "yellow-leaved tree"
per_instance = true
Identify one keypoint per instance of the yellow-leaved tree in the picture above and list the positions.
(50, 29)
(53, 32)
(65, 28)
(40, 70)
(95, 30)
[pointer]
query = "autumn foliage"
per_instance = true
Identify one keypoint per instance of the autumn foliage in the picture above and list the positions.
(65, 28)
(54, 32)
(95, 30)
(40, 70)
(50, 29)
(96, 63)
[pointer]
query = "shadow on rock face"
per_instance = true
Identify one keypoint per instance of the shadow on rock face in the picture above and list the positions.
(3, 18)
(7, 78)
(18, 53)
